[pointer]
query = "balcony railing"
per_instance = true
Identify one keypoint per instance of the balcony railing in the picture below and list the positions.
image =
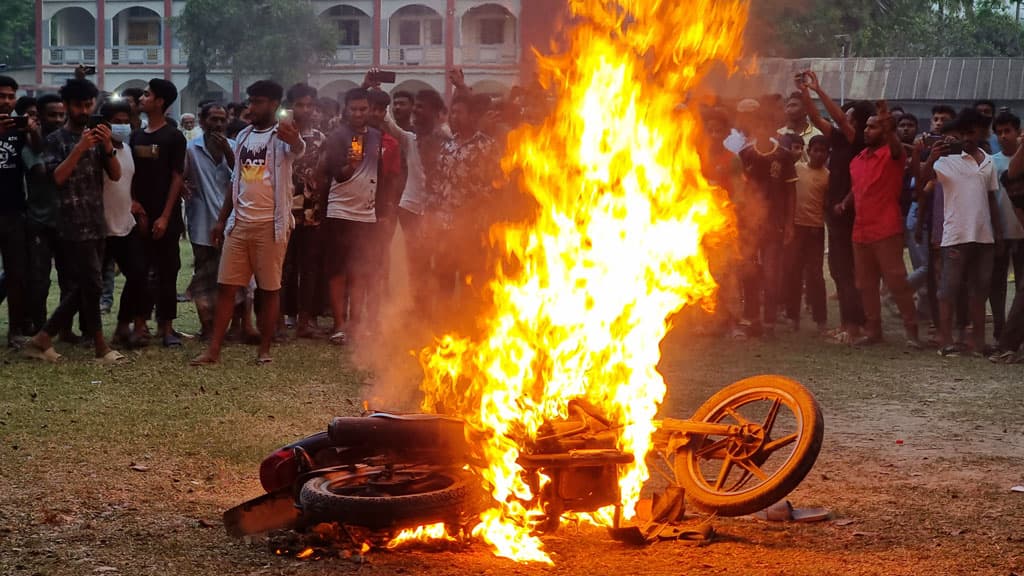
(353, 56)
(136, 55)
(489, 54)
(416, 56)
(73, 55)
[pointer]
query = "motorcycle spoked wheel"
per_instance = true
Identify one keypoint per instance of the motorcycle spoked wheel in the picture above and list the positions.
(376, 498)
(734, 476)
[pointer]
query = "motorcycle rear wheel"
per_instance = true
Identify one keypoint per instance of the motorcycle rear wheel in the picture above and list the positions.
(376, 498)
(735, 476)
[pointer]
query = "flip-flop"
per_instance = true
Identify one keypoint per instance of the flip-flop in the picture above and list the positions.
(110, 358)
(34, 352)
(783, 511)
(339, 338)
(264, 360)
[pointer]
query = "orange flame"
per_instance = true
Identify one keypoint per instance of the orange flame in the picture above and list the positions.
(427, 533)
(584, 291)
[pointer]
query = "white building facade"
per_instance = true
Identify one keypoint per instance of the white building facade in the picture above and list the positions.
(131, 41)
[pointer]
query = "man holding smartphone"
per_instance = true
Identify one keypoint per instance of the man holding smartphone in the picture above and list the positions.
(970, 228)
(15, 134)
(256, 220)
(77, 157)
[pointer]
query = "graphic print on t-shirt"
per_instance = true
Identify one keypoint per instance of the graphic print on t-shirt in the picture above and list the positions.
(252, 157)
(255, 201)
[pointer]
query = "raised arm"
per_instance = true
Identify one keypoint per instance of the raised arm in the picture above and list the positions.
(833, 109)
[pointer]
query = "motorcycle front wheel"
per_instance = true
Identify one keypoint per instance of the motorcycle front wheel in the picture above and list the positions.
(781, 433)
(380, 498)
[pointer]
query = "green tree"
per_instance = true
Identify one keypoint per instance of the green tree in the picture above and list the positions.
(282, 39)
(909, 28)
(17, 33)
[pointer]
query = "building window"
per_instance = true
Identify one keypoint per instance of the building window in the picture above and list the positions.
(143, 33)
(492, 31)
(349, 22)
(409, 32)
(348, 32)
(417, 26)
(435, 31)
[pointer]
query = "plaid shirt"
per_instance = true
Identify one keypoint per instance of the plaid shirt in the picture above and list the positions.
(80, 216)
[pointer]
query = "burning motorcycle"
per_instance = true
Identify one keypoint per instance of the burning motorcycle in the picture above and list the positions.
(745, 448)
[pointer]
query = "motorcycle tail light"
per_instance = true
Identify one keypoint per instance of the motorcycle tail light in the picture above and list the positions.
(279, 470)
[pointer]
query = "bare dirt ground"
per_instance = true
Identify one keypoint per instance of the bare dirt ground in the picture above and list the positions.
(938, 502)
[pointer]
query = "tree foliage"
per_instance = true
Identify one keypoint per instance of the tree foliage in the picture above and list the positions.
(17, 33)
(281, 39)
(910, 28)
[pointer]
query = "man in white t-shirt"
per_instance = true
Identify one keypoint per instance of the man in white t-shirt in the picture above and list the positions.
(969, 228)
(256, 220)
(124, 242)
(350, 170)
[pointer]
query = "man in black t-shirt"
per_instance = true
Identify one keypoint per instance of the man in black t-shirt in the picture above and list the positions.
(159, 154)
(765, 215)
(15, 135)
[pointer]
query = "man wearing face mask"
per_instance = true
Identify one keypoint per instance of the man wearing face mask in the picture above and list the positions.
(77, 158)
(124, 243)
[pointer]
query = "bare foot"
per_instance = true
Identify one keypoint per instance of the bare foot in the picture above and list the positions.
(204, 359)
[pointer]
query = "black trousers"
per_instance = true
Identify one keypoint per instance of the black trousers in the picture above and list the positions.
(841, 267)
(129, 254)
(14, 254)
(761, 282)
(805, 257)
(303, 282)
(85, 268)
(1013, 331)
(163, 258)
(44, 254)
(1010, 251)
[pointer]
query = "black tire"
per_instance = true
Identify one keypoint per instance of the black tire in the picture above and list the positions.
(738, 499)
(441, 497)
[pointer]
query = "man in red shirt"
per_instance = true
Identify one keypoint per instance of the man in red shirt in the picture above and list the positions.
(877, 180)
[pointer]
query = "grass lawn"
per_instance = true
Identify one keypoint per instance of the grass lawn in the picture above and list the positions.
(938, 502)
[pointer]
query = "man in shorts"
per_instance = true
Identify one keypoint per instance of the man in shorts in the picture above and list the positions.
(256, 220)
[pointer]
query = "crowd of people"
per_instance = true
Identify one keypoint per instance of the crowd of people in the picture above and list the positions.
(290, 210)
(291, 200)
(863, 186)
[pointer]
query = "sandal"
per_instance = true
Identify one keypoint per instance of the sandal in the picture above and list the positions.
(339, 338)
(110, 358)
(951, 351)
(783, 511)
(171, 340)
(31, 350)
(1002, 357)
(264, 360)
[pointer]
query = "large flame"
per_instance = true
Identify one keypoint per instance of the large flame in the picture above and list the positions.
(584, 291)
